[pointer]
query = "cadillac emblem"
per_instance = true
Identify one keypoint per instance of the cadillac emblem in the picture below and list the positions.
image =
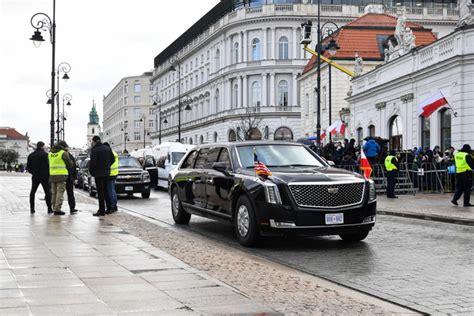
(333, 190)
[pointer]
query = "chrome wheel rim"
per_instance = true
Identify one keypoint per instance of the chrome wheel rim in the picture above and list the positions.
(175, 204)
(243, 220)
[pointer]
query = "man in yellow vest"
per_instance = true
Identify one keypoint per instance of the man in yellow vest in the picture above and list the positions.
(111, 182)
(464, 166)
(391, 165)
(59, 163)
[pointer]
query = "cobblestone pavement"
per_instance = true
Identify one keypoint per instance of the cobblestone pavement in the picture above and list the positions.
(271, 285)
(420, 264)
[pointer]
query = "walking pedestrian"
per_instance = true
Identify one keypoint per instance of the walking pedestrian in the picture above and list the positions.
(59, 164)
(38, 165)
(391, 165)
(71, 200)
(464, 166)
(111, 182)
(102, 159)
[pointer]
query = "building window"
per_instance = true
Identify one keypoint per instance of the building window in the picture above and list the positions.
(256, 93)
(136, 124)
(151, 124)
(136, 136)
(216, 100)
(254, 134)
(235, 95)
(396, 133)
(218, 60)
(201, 139)
(137, 99)
(283, 48)
(232, 136)
(235, 53)
(150, 111)
(371, 131)
(255, 49)
(191, 65)
(136, 112)
(137, 87)
(283, 133)
(360, 135)
(215, 137)
(125, 88)
(125, 100)
(283, 93)
(125, 112)
(425, 133)
(445, 129)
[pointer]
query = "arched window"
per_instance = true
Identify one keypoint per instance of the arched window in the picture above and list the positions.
(232, 136)
(425, 132)
(360, 135)
(255, 102)
(201, 139)
(371, 130)
(235, 96)
(253, 134)
(396, 132)
(218, 60)
(255, 49)
(215, 137)
(216, 100)
(190, 140)
(235, 53)
(445, 129)
(283, 93)
(283, 48)
(283, 133)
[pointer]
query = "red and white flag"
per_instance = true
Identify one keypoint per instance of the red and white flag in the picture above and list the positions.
(337, 127)
(322, 135)
(430, 105)
(364, 164)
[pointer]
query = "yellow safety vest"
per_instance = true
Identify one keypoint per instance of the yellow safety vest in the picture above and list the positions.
(114, 167)
(388, 163)
(461, 163)
(57, 166)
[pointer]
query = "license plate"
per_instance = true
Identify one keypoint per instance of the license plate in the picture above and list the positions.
(129, 188)
(337, 218)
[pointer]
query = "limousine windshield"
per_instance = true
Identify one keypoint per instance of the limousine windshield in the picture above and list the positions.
(278, 156)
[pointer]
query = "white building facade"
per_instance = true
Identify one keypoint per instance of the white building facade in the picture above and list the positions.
(385, 100)
(238, 66)
(128, 114)
(11, 139)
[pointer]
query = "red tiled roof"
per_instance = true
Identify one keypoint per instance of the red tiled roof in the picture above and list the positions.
(12, 133)
(360, 36)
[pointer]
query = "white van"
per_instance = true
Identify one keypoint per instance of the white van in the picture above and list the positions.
(167, 156)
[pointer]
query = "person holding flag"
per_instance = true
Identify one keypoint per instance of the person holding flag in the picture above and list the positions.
(259, 167)
(365, 165)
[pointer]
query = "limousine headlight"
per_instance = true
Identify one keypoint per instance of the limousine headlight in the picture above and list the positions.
(272, 195)
(372, 195)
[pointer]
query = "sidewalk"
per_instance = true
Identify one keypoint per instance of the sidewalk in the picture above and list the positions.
(62, 265)
(436, 207)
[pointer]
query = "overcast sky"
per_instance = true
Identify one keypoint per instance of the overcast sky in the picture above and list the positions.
(102, 40)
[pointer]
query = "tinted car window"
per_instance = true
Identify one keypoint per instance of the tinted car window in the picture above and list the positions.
(189, 162)
(129, 162)
(201, 159)
(211, 158)
(176, 157)
(224, 156)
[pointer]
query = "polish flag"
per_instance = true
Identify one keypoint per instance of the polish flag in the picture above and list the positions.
(428, 106)
(322, 135)
(364, 164)
(337, 127)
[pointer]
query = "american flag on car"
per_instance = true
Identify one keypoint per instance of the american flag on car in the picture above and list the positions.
(260, 168)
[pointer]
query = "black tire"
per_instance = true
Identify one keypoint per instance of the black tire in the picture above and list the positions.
(146, 195)
(130, 194)
(354, 237)
(180, 216)
(245, 222)
(91, 192)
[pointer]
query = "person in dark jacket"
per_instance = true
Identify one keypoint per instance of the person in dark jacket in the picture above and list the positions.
(38, 166)
(102, 159)
(71, 200)
(464, 167)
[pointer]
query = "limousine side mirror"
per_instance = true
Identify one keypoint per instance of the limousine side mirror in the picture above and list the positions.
(221, 167)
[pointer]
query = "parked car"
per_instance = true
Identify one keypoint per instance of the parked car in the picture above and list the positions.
(167, 156)
(80, 163)
(131, 178)
(304, 195)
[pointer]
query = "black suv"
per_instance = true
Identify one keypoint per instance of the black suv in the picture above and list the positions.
(303, 195)
(131, 178)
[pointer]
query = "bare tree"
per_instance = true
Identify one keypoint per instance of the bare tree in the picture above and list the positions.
(248, 125)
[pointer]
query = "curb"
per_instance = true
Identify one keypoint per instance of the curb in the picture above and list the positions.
(435, 218)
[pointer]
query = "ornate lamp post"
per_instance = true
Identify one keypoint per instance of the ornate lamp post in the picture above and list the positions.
(124, 130)
(65, 68)
(42, 22)
(144, 132)
(157, 109)
(66, 99)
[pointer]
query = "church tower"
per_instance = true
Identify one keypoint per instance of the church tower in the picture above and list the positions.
(93, 127)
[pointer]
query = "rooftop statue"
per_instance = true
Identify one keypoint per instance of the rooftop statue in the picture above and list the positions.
(465, 12)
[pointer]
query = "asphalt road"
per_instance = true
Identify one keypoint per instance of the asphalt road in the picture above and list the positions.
(423, 265)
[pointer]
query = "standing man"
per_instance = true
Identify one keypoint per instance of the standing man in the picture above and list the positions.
(111, 182)
(464, 166)
(99, 167)
(38, 166)
(71, 200)
(391, 165)
(59, 164)
(371, 150)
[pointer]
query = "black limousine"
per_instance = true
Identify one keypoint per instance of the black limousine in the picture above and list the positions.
(304, 194)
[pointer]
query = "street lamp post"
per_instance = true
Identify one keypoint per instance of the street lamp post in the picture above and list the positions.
(175, 62)
(124, 130)
(144, 132)
(157, 105)
(66, 98)
(41, 21)
(65, 68)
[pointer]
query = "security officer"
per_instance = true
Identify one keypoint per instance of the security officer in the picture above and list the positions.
(391, 165)
(111, 182)
(59, 163)
(464, 166)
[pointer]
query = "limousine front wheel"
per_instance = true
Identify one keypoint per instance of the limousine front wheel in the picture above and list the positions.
(354, 237)
(180, 216)
(245, 222)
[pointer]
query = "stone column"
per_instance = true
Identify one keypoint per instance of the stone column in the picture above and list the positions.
(244, 47)
(273, 44)
(228, 93)
(239, 97)
(294, 92)
(272, 89)
(241, 47)
(295, 44)
(264, 90)
(245, 98)
(265, 44)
